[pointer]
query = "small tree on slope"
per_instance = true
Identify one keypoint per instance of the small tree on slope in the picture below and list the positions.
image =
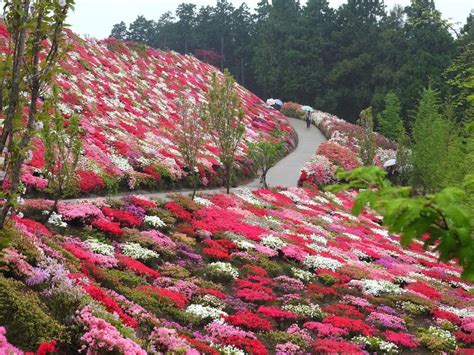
(36, 30)
(63, 145)
(367, 139)
(189, 136)
(223, 116)
(389, 119)
(265, 155)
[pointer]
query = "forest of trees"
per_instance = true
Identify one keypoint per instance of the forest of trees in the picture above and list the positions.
(338, 60)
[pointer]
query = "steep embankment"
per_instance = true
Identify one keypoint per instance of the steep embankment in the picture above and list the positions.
(126, 96)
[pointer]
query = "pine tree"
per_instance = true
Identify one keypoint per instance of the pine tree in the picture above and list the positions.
(389, 120)
(430, 140)
(119, 31)
(403, 155)
(367, 139)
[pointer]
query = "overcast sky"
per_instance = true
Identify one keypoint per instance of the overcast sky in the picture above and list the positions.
(96, 17)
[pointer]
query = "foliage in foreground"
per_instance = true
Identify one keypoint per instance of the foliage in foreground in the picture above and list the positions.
(440, 220)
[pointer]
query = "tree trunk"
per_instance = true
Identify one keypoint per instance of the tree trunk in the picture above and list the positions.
(222, 53)
(264, 178)
(26, 137)
(242, 77)
(194, 185)
(228, 172)
(14, 93)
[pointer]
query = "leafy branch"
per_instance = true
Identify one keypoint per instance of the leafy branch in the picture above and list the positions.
(441, 220)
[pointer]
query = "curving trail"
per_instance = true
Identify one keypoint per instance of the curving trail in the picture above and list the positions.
(285, 173)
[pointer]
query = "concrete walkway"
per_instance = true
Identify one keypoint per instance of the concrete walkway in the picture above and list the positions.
(285, 173)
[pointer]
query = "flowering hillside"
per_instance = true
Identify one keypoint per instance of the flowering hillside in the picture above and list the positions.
(126, 97)
(286, 271)
(341, 150)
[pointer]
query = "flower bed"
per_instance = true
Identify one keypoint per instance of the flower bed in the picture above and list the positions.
(251, 272)
(125, 96)
(340, 151)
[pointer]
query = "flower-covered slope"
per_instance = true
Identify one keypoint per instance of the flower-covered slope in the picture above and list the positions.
(269, 271)
(341, 150)
(126, 98)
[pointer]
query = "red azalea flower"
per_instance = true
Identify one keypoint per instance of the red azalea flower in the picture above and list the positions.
(466, 338)
(110, 304)
(136, 266)
(249, 320)
(255, 270)
(353, 325)
(179, 211)
(140, 202)
(424, 289)
(104, 225)
(264, 294)
(403, 339)
(329, 346)
(89, 181)
(439, 313)
(202, 347)
(46, 348)
(252, 346)
(344, 310)
(276, 312)
(216, 253)
(33, 227)
(213, 292)
(322, 290)
(125, 218)
(176, 298)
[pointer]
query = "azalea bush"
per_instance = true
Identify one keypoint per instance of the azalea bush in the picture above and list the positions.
(254, 271)
(292, 109)
(346, 148)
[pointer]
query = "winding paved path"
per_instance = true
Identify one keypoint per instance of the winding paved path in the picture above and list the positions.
(285, 173)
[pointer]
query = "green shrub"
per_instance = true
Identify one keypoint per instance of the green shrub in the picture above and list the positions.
(158, 306)
(21, 243)
(436, 339)
(24, 316)
(279, 337)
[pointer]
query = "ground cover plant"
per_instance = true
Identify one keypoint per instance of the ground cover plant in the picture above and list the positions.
(284, 270)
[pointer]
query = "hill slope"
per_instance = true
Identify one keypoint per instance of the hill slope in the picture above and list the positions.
(289, 270)
(125, 95)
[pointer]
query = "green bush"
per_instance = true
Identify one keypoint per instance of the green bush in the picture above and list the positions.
(436, 339)
(24, 316)
(279, 337)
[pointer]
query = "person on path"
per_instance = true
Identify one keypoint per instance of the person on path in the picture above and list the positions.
(308, 119)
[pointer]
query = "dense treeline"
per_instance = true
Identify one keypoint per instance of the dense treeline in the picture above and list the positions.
(339, 60)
